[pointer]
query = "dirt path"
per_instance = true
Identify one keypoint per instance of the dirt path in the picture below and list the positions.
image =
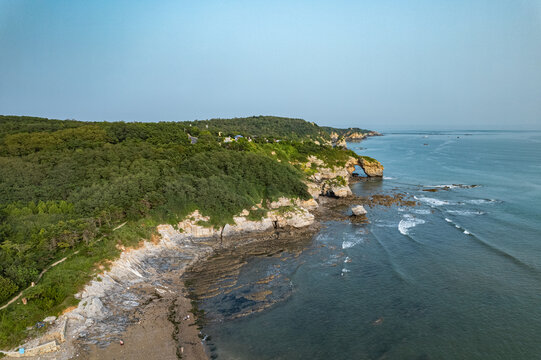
(47, 269)
(38, 279)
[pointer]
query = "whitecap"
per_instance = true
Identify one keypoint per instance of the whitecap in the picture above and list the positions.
(465, 212)
(450, 186)
(407, 223)
(466, 232)
(387, 178)
(448, 220)
(344, 270)
(422, 211)
(432, 201)
(346, 244)
(481, 201)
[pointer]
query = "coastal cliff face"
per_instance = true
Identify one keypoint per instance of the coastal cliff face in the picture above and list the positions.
(326, 181)
(334, 181)
(282, 214)
(371, 167)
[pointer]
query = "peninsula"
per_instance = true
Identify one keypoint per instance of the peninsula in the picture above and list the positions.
(85, 206)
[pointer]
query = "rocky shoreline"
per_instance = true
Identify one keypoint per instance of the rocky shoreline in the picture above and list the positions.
(143, 293)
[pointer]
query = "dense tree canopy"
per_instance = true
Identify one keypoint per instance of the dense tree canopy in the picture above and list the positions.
(66, 184)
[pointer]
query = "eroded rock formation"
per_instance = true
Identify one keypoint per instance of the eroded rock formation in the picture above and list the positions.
(371, 167)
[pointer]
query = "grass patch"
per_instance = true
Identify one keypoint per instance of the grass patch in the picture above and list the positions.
(369, 159)
(56, 290)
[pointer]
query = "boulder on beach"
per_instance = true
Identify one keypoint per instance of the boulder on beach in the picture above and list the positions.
(358, 210)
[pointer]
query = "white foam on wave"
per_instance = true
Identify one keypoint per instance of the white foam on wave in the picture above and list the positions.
(450, 186)
(387, 178)
(465, 231)
(481, 201)
(346, 244)
(432, 201)
(465, 212)
(344, 270)
(407, 223)
(422, 211)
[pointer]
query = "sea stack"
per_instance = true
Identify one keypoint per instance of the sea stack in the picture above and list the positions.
(371, 167)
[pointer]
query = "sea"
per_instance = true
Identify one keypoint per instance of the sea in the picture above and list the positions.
(456, 277)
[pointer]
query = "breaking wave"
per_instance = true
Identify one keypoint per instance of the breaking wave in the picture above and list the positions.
(346, 244)
(466, 212)
(432, 201)
(407, 223)
(465, 231)
(452, 186)
(481, 201)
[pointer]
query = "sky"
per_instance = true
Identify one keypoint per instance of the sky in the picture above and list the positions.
(380, 64)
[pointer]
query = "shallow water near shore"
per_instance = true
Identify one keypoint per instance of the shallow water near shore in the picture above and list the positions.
(457, 277)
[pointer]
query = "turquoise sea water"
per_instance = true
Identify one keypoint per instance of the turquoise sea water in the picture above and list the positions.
(458, 277)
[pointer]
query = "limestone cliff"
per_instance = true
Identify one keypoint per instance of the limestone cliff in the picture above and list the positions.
(334, 181)
(282, 213)
(327, 181)
(371, 167)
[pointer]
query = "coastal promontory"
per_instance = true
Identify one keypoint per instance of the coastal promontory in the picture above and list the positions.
(88, 208)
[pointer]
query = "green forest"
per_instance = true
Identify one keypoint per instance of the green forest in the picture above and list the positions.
(66, 184)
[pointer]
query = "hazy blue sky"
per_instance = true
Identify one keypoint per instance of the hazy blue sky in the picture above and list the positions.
(377, 64)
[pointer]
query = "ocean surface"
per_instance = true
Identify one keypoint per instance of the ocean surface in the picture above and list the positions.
(457, 277)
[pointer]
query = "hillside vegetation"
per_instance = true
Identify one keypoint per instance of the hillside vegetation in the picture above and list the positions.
(65, 185)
